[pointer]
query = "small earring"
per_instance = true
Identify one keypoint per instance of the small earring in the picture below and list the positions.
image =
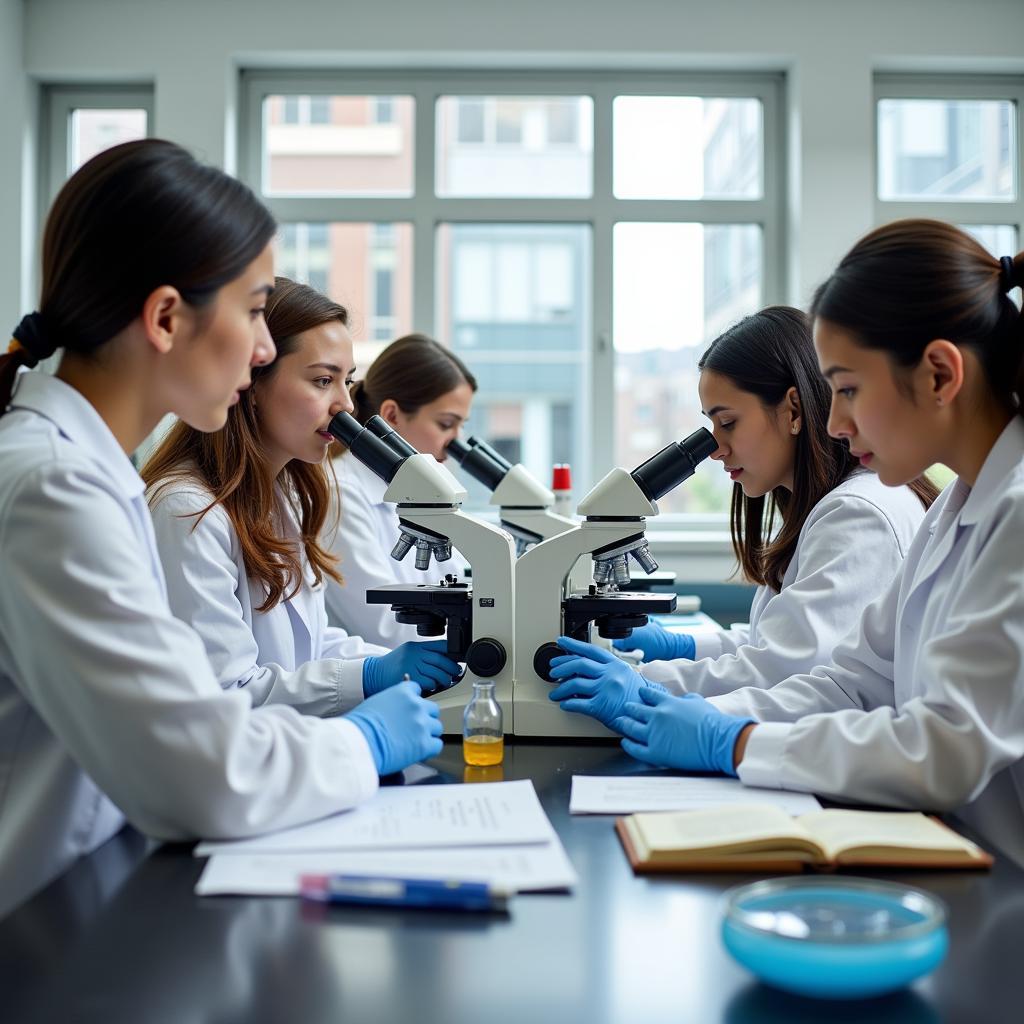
(794, 430)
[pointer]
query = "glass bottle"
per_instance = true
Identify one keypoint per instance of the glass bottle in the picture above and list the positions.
(483, 738)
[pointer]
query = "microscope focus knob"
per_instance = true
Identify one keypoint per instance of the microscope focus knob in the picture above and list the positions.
(542, 660)
(486, 657)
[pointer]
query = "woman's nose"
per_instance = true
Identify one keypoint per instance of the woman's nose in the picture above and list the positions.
(264, 351)
(720, 452)
(343, 402)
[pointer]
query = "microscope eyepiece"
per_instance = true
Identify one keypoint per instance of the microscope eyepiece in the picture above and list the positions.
(476, 460)
(675, 463)
(478, 442)
(376, 454)
(380, 427)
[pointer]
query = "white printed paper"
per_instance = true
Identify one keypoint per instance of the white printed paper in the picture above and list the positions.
(534, 868)
(400, 817)
(596, 794)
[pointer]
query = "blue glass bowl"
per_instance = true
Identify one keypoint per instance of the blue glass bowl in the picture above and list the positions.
(835, 938)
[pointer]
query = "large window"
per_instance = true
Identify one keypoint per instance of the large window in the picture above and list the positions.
(951, 148)
(577, 240)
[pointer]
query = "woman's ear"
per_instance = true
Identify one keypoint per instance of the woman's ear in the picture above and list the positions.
(163, 318)
(793, 410)
(389, 412)
(942, 369)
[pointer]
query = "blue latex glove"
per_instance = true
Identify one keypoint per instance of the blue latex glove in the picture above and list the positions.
(425, 662)
(400, 727)
(596, 683)
(680, 732)
(657, 643)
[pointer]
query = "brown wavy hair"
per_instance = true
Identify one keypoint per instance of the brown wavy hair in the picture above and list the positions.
(766, 354)
(231, 465)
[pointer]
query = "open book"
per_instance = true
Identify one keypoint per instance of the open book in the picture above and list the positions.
(759, 837)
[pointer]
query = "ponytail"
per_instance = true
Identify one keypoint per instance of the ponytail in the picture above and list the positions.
(133, 218)
(907, 283)
(413, 371)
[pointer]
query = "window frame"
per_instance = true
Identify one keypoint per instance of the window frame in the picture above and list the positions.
(953, 87)
(58, 103)
(424, 210)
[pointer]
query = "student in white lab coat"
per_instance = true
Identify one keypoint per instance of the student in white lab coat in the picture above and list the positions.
(768, 405)
(155, 273)
(425, 392)
(922, 706)
(238, 515)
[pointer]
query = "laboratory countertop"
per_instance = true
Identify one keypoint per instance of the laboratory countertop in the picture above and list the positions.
(121, 937)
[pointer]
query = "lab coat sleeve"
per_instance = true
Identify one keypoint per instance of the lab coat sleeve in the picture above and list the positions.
(848, 554)
(339, 644)
(203, 583)
(714, 645)
(128, 689)
(940, 749)
(364, 564)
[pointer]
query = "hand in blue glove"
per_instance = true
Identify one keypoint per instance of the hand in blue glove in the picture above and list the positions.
(425, 662)
(680, 732)
(657, 643)
(400, 727)
(596, 683)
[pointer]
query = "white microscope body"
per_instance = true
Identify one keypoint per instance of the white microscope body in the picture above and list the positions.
(480, 618)
(550, 604)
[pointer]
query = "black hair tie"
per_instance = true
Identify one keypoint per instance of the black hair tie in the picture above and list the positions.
(1006, 279)
(30, 334)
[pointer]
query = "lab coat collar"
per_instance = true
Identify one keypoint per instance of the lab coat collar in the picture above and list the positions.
(1006, 455)
(77, 420)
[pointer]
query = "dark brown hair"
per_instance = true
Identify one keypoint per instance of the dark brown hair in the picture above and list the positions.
(907, 283)
(766, 354)
(133, 218)
(231, 464)
(413, 371)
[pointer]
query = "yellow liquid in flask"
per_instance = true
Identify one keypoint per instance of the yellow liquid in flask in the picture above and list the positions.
(483, 750)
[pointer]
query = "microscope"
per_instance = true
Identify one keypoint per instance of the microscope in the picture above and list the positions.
(548, 605)
(525, 505)
(479, 618)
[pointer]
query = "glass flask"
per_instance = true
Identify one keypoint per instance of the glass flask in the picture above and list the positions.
(483, 739)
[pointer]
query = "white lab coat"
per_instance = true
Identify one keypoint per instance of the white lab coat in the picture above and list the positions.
(926, 696)
(108, 705)
(851, 545)
(286, 655)
(367, 531)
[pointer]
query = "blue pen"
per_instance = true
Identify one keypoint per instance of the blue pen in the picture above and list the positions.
(431, 893)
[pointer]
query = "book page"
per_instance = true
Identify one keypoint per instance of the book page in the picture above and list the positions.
(729, 829)
(866, 832)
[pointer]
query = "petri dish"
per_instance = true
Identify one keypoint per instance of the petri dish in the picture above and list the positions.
(835, 938)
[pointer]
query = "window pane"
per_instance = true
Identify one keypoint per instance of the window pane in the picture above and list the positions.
(93, 131)
(513, 303)
(675, 288)
(515, 146)
(338, 145)
(999, 239)
(687, 147)
(946, 149)
(365, 267)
